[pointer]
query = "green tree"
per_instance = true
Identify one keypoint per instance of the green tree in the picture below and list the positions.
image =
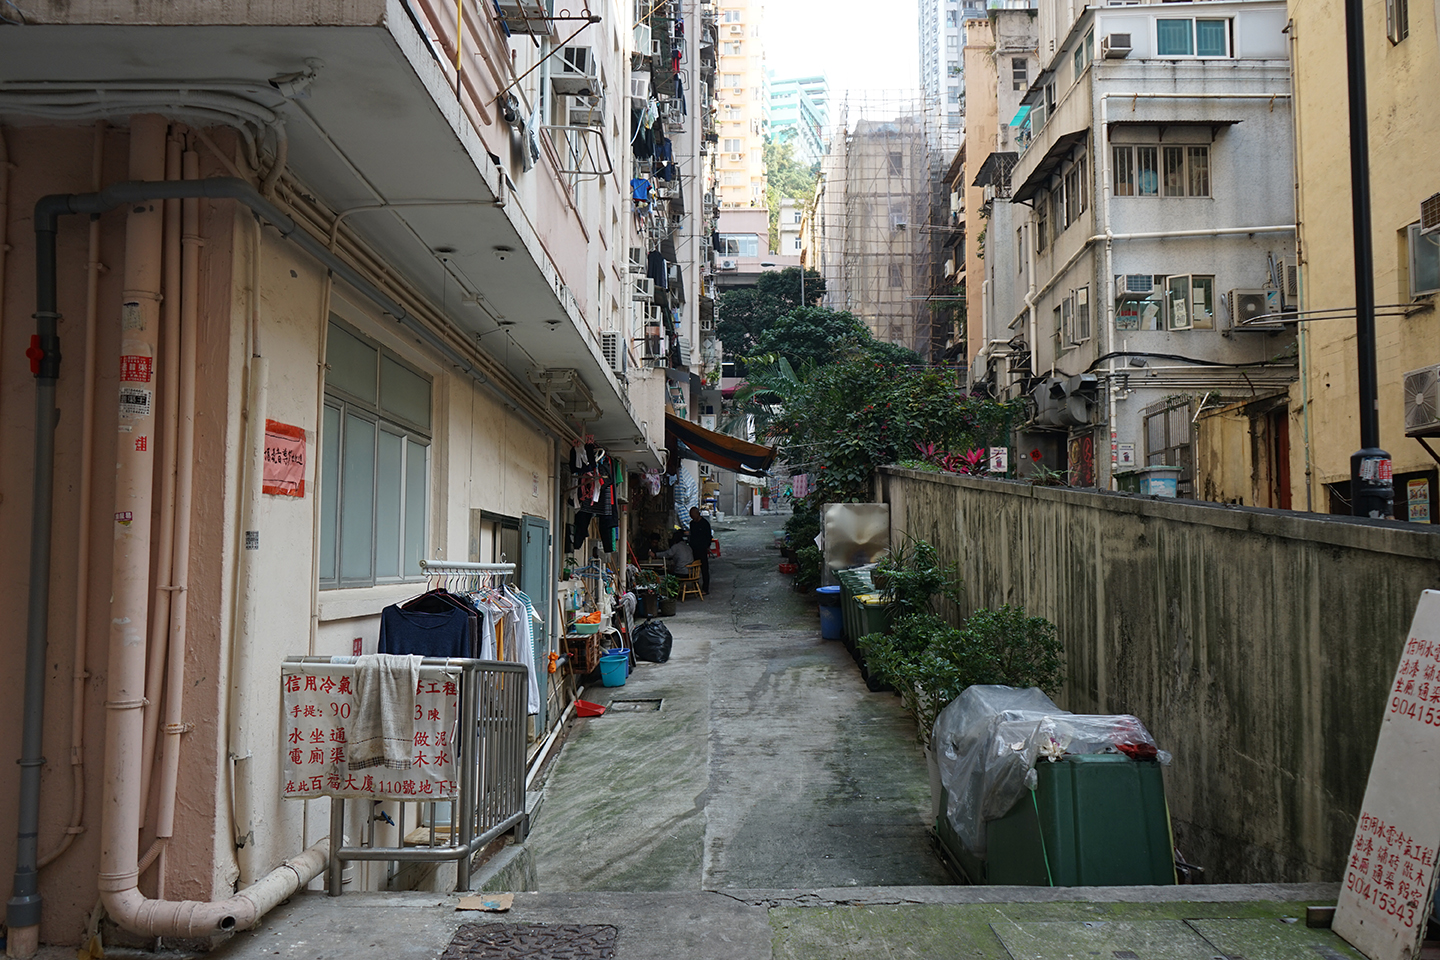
(785, 177)
(743, 314)
(810, 336)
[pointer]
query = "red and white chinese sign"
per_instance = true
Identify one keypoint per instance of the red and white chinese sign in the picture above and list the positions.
(1390, 876)
(284, 460)
(319, 705)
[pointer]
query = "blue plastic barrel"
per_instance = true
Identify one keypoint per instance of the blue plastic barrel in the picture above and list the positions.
(832, 624)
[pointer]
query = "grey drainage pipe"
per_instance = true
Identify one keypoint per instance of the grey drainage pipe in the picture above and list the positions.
(129, 907)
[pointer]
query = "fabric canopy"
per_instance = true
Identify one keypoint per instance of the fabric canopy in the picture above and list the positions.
(724, 451)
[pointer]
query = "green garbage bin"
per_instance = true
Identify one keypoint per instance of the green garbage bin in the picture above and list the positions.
(1093, 820)
(874, 613)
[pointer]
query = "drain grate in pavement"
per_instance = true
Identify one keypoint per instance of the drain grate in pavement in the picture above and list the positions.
(531, 941)
(635, 706)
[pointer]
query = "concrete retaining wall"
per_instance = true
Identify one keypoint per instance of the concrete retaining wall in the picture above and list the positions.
(1257, 645)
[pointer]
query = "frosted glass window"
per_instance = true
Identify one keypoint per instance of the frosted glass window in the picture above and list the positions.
(416, 455)
(329, 489)
(403, 393)
(351, 363)
(1175, 38)
(389, 481)
(1212, 38)
(357, 499)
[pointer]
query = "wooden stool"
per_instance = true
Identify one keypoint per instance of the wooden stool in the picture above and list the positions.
(690, 583)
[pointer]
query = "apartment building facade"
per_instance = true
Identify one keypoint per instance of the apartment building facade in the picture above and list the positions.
(407, 257)
(800, 115)
(1154, 160)
(1402, 53)
(942, 66)
(743, 102)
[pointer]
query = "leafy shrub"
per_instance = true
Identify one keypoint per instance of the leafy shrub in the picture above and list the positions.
(930, 662)
(807, 563)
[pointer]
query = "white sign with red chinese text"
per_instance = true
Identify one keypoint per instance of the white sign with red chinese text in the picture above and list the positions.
(319, 702)
(1390, 876)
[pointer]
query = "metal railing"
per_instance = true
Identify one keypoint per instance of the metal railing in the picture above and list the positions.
(490, 776)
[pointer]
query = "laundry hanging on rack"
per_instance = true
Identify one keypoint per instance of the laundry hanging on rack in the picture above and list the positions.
(440, 629)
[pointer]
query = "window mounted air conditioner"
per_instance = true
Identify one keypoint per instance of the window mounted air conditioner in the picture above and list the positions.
(642, 289)
(656, 48)
(612, 347)
(1422, 402)
(637, 260)
(736, 30)
(586, 112)
(1430, 214)
(1115, 46)
(1139, 283)
(642, 37)
(707, 324)
(574, 73)
(640, 85)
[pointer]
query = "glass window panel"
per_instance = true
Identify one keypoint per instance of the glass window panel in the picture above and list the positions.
(404, 393)
(1174, 171)
(1147, 179)
(329, 489)
(1202, 303)
(1199, 163)
(1174, 38)
(351, 363)
(1212, 37)
(1177, 302)
(1124, 172)
(357, 499)
(416, 455)
(1150, 312)
(1082, 179)
(389, 464)
(1424, 262)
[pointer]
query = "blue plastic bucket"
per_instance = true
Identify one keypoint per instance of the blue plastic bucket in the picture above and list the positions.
(620, 653)
(832, 624)
(612, 671)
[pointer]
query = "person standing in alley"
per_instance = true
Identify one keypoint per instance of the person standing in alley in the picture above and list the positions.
(700, 535)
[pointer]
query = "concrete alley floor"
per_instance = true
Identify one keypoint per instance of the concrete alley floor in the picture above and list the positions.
(768, 764)
(772, 809)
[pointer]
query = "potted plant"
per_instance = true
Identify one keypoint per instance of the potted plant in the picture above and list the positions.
(669, 590)
(646, 585)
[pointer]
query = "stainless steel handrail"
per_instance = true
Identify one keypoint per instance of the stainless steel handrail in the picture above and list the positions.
(490, 761)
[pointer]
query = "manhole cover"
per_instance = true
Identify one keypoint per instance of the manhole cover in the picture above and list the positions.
(635, 706)
(531, 941)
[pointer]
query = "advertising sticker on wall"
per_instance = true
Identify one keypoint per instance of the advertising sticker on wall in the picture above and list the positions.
(284, 460)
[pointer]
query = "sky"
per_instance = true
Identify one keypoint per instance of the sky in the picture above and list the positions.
(860, 45)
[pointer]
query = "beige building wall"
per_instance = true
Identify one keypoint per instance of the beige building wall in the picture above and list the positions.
(1404, 120)
(981, 132)
(742, 97)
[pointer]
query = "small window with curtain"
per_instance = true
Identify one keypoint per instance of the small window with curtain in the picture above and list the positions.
(1199, 37)
(375, 452)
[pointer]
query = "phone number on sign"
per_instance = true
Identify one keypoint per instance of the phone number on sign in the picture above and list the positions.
(1419, 712)
(1402, 910)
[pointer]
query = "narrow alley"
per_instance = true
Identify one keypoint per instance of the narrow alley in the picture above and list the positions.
(767, 764)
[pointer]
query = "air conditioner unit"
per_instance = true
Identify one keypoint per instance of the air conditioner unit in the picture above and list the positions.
(707, 323)
(1115, 46)
(637, 260)
(1422, 402)
(736, 30)
(684, 351)
(574, 73)
(642, 37)
(1290, 282)
(586, 112)
(640, 85)
(642, 289)
(728, 265)
(1139, 283)
(737, 157)
(1430, 214)
(656, 48)
(988, 193)
(612, 347)
(1246, 305)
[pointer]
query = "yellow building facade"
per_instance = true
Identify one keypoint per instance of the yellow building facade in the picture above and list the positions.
(1402, 51)
(742, 98)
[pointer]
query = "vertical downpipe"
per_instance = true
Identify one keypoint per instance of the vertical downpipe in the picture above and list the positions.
(248, 601)
(169, 380)
(134, 480)
(178, 599)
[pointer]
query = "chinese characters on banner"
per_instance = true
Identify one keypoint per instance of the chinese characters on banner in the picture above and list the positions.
(319, 705)
(284, 460)
(1390, 875)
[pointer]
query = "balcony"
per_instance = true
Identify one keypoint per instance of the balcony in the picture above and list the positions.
(418, 155)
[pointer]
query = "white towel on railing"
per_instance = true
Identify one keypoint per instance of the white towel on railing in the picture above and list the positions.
(382, 730)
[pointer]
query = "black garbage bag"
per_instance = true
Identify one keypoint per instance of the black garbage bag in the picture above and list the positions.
(652, 642)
